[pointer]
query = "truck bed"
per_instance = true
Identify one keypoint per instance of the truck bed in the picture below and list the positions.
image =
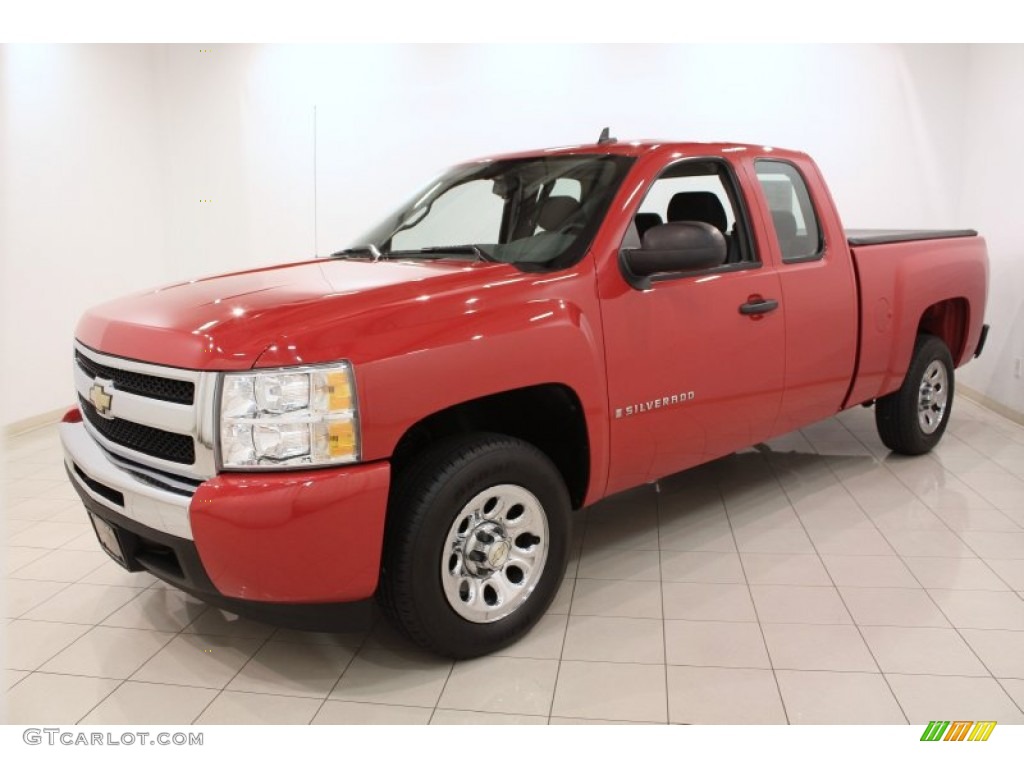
(884, 236)
(900, 275)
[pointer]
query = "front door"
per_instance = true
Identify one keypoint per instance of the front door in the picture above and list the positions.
(695, 363)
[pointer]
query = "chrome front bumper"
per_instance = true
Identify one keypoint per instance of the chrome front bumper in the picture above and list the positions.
(144, 503)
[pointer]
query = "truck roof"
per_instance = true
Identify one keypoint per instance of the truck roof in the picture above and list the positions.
(646, 146)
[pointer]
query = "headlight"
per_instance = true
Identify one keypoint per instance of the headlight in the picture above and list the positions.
(289, 417)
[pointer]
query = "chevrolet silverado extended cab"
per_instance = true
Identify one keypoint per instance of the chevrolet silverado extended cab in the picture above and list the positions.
(415, 418)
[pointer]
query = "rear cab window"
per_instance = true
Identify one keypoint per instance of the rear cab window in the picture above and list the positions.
(795, 221)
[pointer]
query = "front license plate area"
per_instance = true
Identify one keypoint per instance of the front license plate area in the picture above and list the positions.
(108, 539)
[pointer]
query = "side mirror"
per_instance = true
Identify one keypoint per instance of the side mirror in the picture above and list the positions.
(679, 246)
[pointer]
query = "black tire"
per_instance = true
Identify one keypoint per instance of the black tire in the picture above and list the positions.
(901, 423)
(428, 498)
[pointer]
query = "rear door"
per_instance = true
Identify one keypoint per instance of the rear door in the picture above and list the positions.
(690, 376)
(819, 292)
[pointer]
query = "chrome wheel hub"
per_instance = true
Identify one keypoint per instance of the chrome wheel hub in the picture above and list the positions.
(495, 553)
(485, 550)
(933, 397)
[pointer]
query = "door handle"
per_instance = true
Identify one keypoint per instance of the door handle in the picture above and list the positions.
(758, 306)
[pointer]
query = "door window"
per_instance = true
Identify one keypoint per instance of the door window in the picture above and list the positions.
(697, 190)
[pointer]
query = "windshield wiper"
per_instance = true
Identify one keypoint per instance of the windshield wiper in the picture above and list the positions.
(474, 250)
(359, 250)
(436, 251)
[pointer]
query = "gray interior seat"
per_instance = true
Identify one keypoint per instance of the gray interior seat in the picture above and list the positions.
(645, 221)
(557, 211)
(785, 230)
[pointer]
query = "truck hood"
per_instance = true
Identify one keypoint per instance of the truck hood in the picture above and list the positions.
(226, 322)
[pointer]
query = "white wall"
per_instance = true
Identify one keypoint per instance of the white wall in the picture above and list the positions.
(247, 149)
(239, 126)
(992, 201)
(235, 125)
(82, 210)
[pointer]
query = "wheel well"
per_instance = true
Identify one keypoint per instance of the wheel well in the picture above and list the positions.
(947, 320)
(548, 416)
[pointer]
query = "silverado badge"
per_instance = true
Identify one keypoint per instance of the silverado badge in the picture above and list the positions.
(650, 405)
(101, 396)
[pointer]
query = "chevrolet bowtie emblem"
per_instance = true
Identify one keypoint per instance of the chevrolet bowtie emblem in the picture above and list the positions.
(101, 398)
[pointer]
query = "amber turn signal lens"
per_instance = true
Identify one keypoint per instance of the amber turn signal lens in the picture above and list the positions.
(341, 437)
(339, 392)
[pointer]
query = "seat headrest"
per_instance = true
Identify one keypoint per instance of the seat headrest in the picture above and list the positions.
(698, 206)
(645, 221)
(785, 225)
(556, 212)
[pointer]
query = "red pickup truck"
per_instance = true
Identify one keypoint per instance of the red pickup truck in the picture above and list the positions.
(415, 417)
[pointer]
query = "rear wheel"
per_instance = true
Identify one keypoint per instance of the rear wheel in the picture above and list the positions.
(912, 420)
(477, 544)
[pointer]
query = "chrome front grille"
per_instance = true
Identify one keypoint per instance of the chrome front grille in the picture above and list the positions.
(156, 387)
(157, 417)
(157, 443)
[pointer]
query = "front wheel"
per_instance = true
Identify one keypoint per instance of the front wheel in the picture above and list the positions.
(477, 544)
(912, 419)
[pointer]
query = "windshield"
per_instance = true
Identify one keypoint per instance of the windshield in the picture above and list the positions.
(539, 211)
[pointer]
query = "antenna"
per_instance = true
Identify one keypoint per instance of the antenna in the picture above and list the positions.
(606, 137)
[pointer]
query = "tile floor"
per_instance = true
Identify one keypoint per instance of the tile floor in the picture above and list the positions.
(814, 580)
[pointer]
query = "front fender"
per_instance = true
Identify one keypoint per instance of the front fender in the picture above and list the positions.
(414, 358)
(539, 342)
